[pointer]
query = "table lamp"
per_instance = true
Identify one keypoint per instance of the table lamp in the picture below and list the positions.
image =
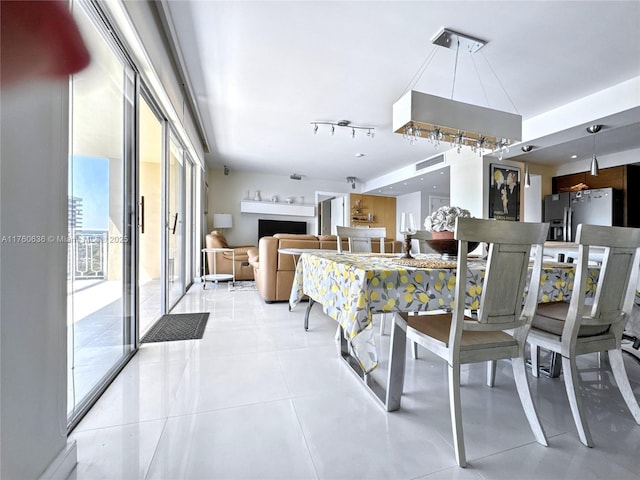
(222, 221)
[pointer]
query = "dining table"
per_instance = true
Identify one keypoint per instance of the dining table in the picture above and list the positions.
(353, 287)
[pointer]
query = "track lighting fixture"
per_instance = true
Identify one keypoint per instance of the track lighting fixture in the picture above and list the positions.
(352, 181)
(295, 176)
(344, 123)
(595, 168)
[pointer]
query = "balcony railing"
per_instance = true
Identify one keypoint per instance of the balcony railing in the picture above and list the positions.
(88, 254)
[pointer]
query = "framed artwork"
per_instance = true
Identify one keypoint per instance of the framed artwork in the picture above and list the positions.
(504, 192)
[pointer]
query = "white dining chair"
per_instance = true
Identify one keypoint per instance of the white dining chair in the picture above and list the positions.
(360, 240)
(500, 327)
(578, 327)
(422, 237)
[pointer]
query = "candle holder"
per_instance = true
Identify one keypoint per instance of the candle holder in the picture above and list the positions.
(407, 228)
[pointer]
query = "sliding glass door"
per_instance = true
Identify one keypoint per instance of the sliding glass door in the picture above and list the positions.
(100, 298)
(175, 215)
(150, 167)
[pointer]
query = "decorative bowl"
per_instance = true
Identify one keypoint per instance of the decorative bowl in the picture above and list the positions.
(449, 247)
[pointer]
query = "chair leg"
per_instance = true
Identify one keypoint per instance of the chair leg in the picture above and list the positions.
(535, 356)
(622, 380)
(575, 402)
(414, 349)
(491, 373)
(383, 319)
(524, 392)
(456, 414)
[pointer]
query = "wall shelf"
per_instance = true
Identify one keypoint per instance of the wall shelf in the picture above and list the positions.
(278, 208)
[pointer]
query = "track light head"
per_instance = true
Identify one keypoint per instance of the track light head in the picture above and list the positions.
(526, 148)
(226, 170)
(352, 181)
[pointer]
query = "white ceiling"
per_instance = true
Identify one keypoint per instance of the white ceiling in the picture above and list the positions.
(263, 71)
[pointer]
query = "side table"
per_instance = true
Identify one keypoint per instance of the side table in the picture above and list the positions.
(215, 276)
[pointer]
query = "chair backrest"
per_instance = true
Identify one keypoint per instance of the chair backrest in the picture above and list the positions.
(360, 238)
(505, 280)
(617, 280)
(422, 236)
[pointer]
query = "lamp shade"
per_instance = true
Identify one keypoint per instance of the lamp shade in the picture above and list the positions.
(222, 220)
(428, 111)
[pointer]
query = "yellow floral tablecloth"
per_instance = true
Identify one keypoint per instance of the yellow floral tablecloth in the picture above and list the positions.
(352, 287)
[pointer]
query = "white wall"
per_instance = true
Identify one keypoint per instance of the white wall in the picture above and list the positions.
(410, 203)
(533, 199)
(468, 173)
(33, 202)
(227, 191)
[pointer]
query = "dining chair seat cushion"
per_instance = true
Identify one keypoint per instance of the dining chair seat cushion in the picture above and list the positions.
(438, 327)
(550, 317)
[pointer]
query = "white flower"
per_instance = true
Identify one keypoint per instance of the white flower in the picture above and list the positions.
(444, 218)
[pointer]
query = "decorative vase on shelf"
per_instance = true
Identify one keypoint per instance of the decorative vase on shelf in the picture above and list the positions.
(257, 196)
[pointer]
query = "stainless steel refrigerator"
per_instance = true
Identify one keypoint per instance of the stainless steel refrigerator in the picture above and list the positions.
(565, 211)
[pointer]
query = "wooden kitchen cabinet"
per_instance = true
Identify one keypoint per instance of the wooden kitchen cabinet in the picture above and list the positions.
(373, 211)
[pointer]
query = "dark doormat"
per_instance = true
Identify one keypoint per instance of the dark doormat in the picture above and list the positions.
(177, 326)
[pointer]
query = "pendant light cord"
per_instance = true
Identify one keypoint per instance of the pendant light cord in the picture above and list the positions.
(418, 75)
(455, 70)
(499, 82)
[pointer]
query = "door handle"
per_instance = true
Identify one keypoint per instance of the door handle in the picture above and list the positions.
(142, 214)
(175, 224)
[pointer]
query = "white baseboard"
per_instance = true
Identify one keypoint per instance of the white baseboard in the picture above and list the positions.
(62, 466)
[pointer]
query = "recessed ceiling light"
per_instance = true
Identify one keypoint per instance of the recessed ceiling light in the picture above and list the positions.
(405, 183)
(359, 155)
(435, 186)
(574, 156)
(421, 178)
(441, 172)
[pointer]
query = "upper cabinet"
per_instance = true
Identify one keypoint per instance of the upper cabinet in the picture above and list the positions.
(373, 211)
(625, 178)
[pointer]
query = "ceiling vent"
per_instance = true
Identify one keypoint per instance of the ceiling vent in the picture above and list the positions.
(430, 162)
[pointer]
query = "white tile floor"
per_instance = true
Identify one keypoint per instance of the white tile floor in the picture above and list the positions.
(258, 397)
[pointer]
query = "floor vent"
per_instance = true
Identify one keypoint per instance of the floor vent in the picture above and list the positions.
(430, 162)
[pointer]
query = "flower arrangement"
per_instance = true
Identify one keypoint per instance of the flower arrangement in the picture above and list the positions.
(444, 219)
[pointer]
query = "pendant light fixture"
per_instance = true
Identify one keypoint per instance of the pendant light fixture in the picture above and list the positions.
(527, 177)
(421, 115)
(595, 169)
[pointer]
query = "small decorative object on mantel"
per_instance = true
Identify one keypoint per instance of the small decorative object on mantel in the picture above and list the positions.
(442, 224)
(289, 200)
(257, 196)
(274, 199)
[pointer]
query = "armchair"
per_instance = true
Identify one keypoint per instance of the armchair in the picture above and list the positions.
(224, 260)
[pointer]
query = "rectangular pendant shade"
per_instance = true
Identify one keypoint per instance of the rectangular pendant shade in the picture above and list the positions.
(430, 111)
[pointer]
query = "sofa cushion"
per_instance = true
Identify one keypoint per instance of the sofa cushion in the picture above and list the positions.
(295, 236)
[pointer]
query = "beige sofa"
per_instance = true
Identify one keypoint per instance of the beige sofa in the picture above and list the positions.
(224, 260)
(274, 272)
